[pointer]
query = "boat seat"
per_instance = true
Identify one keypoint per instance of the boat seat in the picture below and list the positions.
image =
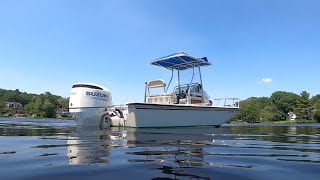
(162, 98)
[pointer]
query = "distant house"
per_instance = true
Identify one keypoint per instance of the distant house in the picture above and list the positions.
(15, 107)
(291, 116)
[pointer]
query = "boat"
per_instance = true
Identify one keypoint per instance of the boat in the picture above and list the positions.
(186, 105)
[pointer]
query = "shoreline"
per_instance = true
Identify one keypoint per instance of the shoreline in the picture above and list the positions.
(234, 122)
(280, 122)
(36, 118)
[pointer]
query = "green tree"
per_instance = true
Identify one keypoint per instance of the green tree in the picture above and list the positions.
(249, 111)
(258, 110)
(271, 113)
(49, 109)
(3, 109)
(284, 101)
(316, 115)
(303, 108)
(31, 108)
(315, 102)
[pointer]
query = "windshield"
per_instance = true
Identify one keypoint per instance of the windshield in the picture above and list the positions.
(195, 88)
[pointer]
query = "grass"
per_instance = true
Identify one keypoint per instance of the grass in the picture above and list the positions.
(278, 122)
(295, 121)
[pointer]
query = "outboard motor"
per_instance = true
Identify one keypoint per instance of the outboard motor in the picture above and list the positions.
(89, 103)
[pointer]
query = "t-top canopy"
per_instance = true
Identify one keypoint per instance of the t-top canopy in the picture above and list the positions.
(180, 61)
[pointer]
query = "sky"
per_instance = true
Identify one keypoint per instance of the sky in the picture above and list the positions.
(256, 47)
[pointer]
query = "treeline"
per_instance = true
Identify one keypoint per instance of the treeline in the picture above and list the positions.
(43, 105)
(277, 107)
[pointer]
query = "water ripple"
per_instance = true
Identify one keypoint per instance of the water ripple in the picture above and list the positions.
(53, 148)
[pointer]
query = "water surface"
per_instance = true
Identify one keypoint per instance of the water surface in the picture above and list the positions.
(52, 149)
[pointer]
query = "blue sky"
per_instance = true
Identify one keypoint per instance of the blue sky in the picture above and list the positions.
(256, 46)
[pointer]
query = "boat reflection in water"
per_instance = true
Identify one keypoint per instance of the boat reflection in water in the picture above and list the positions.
(92, 145)
(174, 146)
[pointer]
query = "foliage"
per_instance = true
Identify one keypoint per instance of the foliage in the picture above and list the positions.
(249, 111)
(276, 107)
(316, 115)
(284, 101)
(3, 109)
(44, 105)
(315, 101)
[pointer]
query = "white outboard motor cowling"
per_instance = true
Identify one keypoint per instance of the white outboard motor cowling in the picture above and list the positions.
(89, 103)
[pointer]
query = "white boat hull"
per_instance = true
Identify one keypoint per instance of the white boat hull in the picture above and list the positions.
(157, 115)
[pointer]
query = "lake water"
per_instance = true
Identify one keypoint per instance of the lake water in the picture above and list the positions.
(53, 149)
